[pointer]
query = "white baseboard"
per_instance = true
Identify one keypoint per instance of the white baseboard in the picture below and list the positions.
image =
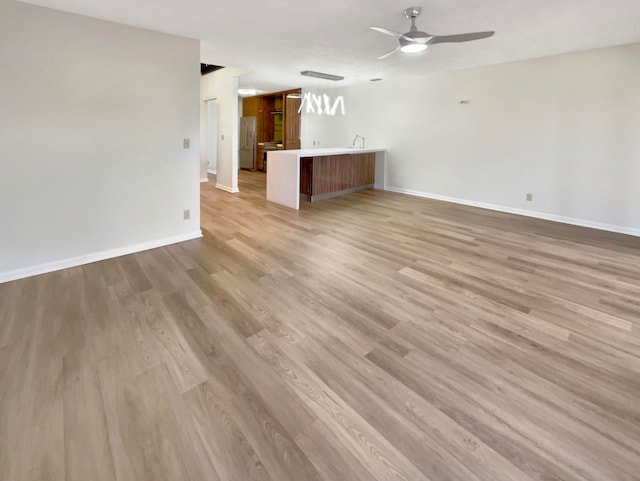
(97, 256)
(226, 188)
(212, 172)
(204, 179)
(528, 213)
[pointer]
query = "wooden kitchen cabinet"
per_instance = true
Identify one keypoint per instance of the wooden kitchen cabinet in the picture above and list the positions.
(335, 173)
(264, 128)
(292, 103)
(260, 157)
(250, 106)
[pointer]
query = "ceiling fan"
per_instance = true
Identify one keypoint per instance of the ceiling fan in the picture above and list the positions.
(416, 41)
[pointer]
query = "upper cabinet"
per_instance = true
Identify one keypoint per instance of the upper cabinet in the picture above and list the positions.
(264, 127)
(278, 120)
(292, 120)
(250, 106)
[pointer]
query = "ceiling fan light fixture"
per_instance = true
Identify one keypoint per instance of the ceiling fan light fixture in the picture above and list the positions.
(413, 47)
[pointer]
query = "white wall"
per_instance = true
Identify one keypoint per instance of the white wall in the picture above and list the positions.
(564, 128)
(316, 129)
(211, 135)
(92, 118)
(223, 86)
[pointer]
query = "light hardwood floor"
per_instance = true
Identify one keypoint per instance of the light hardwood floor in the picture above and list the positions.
(370, 337)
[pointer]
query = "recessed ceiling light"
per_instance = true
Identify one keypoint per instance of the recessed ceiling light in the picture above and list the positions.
(247, 91)
(325, 76)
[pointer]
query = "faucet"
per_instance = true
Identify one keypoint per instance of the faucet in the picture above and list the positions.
(356, 139)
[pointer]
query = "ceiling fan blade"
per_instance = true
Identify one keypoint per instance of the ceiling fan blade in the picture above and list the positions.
(400, 35)
(386, 31)
(391, 52)
(463, 37)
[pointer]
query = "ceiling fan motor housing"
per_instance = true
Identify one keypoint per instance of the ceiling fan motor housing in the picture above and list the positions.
(419, 37)
(412, 12)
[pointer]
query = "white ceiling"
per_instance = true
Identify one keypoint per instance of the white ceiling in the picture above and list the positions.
(276, 39)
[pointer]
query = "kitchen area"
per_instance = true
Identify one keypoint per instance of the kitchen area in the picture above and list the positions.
(269, 122)
(269, 142)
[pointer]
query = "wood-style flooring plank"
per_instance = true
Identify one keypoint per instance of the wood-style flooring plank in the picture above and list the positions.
(370, 337)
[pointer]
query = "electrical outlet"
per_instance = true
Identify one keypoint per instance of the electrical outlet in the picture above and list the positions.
(186, 143)
(529, 197)
(186, 214)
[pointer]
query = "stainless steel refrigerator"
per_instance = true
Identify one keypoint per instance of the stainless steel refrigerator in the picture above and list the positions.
(247, 143)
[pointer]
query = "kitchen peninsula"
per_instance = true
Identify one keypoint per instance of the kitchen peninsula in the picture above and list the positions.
(316, 174)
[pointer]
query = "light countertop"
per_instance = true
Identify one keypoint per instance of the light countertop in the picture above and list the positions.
(326, 151)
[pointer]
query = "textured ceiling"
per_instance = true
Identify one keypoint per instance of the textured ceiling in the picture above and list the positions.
(276, 39)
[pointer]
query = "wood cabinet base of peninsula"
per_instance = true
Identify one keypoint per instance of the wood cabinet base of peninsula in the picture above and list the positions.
(328, 176)
(323, 172)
